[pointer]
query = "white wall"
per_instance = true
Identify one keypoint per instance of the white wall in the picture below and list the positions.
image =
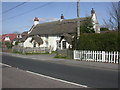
(67, 45)
(7, 39)
(52, 42)
(95, 24)
(27, 42)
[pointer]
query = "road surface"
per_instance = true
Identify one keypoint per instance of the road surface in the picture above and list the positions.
(91, 77)
(16, 78)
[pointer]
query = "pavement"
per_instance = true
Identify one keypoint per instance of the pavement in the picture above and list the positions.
(69, 62)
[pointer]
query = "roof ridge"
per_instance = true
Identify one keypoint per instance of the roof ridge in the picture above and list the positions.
(62, 21)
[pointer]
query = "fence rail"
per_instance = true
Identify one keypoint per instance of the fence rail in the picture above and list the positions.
(97, 56)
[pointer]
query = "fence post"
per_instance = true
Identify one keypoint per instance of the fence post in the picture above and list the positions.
(117, 57)
(103, 56)
(114, 57)
(73, 54)
(93, 56)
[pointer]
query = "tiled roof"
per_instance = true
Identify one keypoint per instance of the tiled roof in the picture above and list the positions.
(11, 36)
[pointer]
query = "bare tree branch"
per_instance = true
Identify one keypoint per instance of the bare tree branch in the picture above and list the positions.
(114, 16)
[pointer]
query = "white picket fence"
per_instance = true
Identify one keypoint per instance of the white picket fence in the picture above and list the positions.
(97, 56)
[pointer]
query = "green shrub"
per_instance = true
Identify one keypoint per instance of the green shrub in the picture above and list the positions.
(99, 42)
(104, 29)
(16, 43)
(8, 45)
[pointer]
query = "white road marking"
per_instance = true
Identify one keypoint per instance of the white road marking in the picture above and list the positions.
(57, 79)
(84, 86)
(5, 65)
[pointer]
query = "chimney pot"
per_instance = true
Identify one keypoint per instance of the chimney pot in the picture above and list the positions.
(62, 17)
(36, 21)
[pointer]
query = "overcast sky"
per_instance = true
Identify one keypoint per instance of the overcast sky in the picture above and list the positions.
(18, 16)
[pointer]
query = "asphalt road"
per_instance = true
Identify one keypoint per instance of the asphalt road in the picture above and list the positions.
(91, 77)
(17, 78)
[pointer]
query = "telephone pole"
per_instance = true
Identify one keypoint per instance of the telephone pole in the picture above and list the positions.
(78, 21)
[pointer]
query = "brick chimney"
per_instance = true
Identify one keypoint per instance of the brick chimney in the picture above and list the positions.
(92, 12)
(62, 17)
(36, 21)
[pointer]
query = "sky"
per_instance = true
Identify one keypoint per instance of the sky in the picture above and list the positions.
(20, 19)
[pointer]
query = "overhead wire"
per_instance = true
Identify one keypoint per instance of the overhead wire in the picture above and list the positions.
(14, 7)
(29, 11)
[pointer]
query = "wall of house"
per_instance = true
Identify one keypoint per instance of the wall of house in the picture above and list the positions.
(21, 44)
(52, 42)
(7, 39)
(95, 23)
(67, 45)
(27, 42)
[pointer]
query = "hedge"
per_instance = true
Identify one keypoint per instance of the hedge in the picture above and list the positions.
(98, 42)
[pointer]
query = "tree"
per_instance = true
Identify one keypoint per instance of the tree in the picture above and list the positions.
(87, 26)
(114, 17)
(114, 20)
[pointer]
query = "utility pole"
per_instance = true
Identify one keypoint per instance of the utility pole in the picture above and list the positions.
(78, 16)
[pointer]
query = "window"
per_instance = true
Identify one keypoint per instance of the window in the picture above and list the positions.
(64, 44)
(58, 44)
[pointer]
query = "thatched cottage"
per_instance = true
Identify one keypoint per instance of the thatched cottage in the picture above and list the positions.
(57, 34)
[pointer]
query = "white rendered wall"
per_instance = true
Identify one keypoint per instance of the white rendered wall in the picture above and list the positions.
(7, 39)
(67, 45)
(27, 42)
(36, 22)
(44, 43)
(52, 42)
(95, 24)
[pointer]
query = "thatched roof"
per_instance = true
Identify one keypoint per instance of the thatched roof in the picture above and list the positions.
(23, 38)
(68, 38)
(37, 39)
(56, 27)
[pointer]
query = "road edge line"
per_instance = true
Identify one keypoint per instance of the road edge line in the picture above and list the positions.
(84, 86)
(57, 79)
(5, 65)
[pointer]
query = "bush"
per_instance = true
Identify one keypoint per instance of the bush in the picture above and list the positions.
(98, 42)
(104, 29)
(8, 45)
(16, 43)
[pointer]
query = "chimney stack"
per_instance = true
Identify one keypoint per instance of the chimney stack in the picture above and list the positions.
(62, 17)
(36, 21)
(92, 12)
